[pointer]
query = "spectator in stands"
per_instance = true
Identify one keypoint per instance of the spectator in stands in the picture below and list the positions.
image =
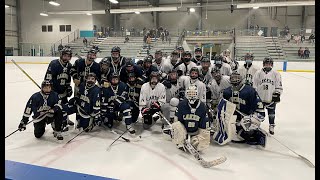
(312, 38)
(126, 39)
(306, 53)
(162, 36)
(302, 38)
(288, 37)
(297, 38)
(300, 52)
(85, 42)
(60, 47)
(169, 39)
(286, 29)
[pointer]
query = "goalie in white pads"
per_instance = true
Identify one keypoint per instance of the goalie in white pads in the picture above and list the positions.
(192, 122)
(249, 111)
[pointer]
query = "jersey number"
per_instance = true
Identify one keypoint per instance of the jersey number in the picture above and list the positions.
(191, 124)
(265, 87)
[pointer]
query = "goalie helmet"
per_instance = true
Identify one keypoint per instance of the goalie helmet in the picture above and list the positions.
(235, 79)
(192, 95)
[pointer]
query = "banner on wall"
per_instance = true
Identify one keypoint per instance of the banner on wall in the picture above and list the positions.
(86, 33)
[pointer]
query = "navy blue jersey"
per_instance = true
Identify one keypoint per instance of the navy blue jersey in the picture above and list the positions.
(89, 100)
(147, 72)
(192, 121)
(137, 70)
(79, 69)
(105, 77)
(59, 75)
(117, 67)
(109, 95)
(40, 103)
(134, 91)
(246, 99)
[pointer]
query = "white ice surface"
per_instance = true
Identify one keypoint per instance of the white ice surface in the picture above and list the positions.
(156, 158)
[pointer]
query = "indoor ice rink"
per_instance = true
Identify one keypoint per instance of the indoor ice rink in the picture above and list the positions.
(260, 27)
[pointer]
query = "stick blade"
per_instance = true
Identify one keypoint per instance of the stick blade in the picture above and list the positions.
(208, 164)
(307, 161)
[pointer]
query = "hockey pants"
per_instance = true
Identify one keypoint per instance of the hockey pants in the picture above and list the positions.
(39, 127)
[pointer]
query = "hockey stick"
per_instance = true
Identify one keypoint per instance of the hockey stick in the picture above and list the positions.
(25, 73)
(299, 155)
(77, 135)
(18, 129)
(195, 153)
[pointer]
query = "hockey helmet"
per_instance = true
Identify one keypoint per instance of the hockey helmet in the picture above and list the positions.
(45, 84)
(154, 77)
(194, 75)
(267, 64)
(192, 94)
(235, 79)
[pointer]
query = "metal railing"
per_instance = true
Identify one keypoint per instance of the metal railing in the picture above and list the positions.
(64, 41)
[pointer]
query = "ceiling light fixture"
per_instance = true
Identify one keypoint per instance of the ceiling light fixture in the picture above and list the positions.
(137, 12)
(114, 1)
(89, 14)
(43, 14)
(147, 9)
(6, 6)
(256, 7)
(192, 10)
(276, 4)
(54, 3)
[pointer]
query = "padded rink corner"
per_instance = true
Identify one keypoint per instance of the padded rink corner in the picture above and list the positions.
(154, 157)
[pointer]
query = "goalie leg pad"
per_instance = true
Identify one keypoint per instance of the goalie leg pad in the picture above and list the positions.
(179, 133)
(202, 140)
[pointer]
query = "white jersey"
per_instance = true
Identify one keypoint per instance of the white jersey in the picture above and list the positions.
(207, 77)
(166, 67)
(247, 74)
(217, 89)
(186, 69)
(173, 92)
(267, 83)
(225, 69)
(186, 81)
(149, 95)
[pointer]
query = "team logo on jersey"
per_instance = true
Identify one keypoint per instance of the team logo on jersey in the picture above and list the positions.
(65, 70)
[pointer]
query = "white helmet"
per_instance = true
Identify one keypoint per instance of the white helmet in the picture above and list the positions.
(192, 94)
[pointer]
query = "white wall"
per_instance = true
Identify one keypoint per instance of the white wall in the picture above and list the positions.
(31, 21)
(136, 20)
(310, 66)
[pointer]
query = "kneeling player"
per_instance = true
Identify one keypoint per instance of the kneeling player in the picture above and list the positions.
(86, 104)
(192, 122)
(249, 111)
(46, 107)
(152, 98)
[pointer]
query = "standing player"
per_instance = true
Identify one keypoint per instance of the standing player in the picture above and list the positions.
(152, 97)
(187, 81)
(46, 108)
(248, 70)
(58, 73)
(204, 70)
(82, 67)
(268, 84)
(186, 64)
(197, 56)
(117, 61)
(168, 66)
(225, 68)
(86, 104)
(247, 102)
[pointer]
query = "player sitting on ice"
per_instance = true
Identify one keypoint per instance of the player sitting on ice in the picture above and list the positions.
(192, 122)
(114, 105)
(86, 104)
(46, 108)
(152, 97)
(248, 110)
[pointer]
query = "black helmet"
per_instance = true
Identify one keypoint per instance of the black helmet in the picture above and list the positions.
(45, 83)
(91, 74)
(116, 49)
(180, 48)
(158, 52)
(235, 78)
(196, 70)
(205, 59)
(66, 50)
(155, 74)
(198, 49)
(175, 52)
(187, 53)
(147, 59)
(92, 51)
(268, 60)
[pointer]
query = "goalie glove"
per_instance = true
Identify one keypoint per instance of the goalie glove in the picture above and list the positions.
(251, 122)
(276, 97)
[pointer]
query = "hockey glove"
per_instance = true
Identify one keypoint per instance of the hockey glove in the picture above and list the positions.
(22, 125)
(181, 93)
(97, 120)
(167, 84)
(156, 105)
(276, 97)
(179, 72)
(69, 91)
(144, 111)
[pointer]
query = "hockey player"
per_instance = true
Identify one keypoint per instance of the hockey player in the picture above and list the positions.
(167, 67)
(158, 59)
(204, 70)
(117, 61)
(130, 67)
(148, 67)
(192, 122)
(193, 79)
(225, 68)
(106, 71)
(152, 97)
(113, 102)
(197, 56)
(248, 70)
(82, 67)
(249, 111)
(46, 108)
(186, 64)
(180, 50)
(227, 59)
(268, 84)
(86, 104)
(172, 94)
(58, 72)
(134, 85)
